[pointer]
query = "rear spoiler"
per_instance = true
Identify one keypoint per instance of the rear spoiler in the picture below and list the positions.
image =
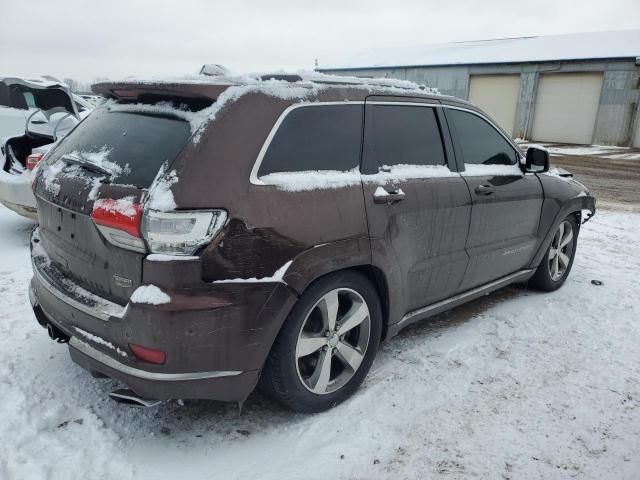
(133, 90)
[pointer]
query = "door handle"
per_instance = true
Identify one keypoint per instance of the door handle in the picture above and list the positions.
(484, 190)
(381, 195)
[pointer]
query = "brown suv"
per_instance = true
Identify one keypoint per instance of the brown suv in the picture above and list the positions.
(197, 238)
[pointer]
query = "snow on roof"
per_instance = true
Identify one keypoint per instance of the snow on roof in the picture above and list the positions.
(261, 81)
(574, 46)
(34, 82)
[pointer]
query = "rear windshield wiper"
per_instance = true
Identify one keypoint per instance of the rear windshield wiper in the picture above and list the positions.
(86, 164)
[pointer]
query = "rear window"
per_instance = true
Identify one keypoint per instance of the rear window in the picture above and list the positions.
(323, 137)
(137, 144)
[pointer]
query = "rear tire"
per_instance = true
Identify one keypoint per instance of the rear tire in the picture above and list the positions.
(558, 259)
(327, 344)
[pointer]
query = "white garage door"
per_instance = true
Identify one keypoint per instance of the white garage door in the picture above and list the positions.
(498, 96)
(566, 107)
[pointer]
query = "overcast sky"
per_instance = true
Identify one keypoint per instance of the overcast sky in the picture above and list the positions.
(115, 38)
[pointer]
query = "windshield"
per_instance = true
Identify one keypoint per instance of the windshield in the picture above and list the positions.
(132, 146)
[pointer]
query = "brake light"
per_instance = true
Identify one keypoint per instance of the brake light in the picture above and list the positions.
(119, 221)
(124, 93)
(148, 354)
(33, 160)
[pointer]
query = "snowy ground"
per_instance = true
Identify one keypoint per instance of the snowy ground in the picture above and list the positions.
(516, 385)
(601, 151)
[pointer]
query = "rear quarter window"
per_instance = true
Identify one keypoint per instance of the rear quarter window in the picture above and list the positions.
(323, 137)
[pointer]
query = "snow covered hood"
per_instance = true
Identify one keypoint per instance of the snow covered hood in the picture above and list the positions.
(575, 46)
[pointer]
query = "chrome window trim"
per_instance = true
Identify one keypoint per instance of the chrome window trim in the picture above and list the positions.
(111, 362)
(255, 180)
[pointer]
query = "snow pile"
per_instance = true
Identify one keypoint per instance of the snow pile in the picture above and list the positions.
(150, 294)
(497, 170)
(50, 174)
(53, 173)
(276, 277)
(124, 206)
(331, 179)
(161, 196)
(403, 172)
(100, 341)
(312, 179)
(99, 158)
(382, 193)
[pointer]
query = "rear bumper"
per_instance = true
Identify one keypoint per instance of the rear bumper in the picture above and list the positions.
(218, 385)
(215, 340)
(16, 194)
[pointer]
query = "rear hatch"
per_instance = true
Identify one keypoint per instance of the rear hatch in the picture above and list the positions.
(113, 154)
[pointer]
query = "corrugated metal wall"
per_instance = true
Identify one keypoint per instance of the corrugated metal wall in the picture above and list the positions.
(618, 111)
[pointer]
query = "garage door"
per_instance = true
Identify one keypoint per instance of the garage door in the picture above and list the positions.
(566, 107)
(497, 95)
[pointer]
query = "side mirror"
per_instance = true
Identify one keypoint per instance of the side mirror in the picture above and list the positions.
(537, 160)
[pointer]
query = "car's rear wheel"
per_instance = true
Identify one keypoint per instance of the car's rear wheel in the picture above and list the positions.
(558, 260)
(327, 345)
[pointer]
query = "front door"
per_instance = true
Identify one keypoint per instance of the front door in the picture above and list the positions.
(506, 202)
(418, 208)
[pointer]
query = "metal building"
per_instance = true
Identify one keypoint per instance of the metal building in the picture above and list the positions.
(579, 88)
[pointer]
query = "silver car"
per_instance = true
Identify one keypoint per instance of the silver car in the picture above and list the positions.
(34, 114)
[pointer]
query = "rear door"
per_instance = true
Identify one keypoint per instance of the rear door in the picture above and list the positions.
(111, 154)
(418, 206)
(506, 202)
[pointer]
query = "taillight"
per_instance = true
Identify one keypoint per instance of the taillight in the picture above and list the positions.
(119, 222)
(181, 232)
(33, 160)
(148, 354)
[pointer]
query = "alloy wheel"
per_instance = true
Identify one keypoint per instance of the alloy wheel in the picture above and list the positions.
(333, 341)
(560, 251)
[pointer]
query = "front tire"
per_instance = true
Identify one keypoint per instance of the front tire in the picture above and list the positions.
(327, 344)
(558, 259)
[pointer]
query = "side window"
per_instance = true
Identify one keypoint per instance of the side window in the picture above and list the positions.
(480, 142)
(5, 100)
(402, 135)
(326, 137)
(29, 99)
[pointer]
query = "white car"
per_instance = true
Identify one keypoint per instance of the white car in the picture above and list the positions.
(34, 114)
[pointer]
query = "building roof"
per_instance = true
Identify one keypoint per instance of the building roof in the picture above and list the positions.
(574, 46)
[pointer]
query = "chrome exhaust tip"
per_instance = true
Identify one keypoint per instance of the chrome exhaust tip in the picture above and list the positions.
(129, 397)
(56, 334)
